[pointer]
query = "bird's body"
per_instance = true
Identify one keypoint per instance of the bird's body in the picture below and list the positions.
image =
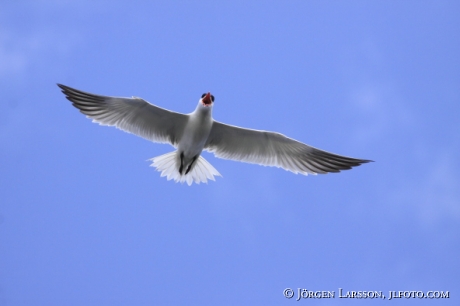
(192, 133)
(196, 133)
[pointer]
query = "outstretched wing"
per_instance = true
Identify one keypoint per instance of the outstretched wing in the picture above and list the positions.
(133, 115)
(274, 149)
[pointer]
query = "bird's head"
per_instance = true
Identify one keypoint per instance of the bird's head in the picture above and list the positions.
(207, 100)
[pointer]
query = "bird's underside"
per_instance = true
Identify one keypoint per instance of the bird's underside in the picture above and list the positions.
(197, 131)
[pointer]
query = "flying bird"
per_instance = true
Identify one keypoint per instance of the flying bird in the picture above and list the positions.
(192, 133)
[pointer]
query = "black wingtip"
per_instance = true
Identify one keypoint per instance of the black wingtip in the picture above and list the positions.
(62, 87)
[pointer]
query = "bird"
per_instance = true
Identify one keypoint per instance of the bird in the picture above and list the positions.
(192, 133)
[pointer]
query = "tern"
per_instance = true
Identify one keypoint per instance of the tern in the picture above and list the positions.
(192, 133)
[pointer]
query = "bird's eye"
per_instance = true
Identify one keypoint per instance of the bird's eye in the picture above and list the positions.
(202, 96)
(212, 98)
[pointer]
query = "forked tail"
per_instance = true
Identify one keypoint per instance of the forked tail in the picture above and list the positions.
(168, 165)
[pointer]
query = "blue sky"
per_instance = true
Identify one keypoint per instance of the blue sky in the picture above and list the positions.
(84, 220)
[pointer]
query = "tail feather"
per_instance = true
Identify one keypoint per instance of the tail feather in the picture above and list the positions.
(201, 172)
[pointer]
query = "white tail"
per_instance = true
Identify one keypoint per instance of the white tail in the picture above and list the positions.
(201, 171)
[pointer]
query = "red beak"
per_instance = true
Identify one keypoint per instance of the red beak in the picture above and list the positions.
(207, 99)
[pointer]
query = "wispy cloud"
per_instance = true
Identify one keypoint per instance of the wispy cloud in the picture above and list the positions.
(438, 197)
(384, 108)
(18, 51)
(13, 59)
(434, 197)
(374, 93)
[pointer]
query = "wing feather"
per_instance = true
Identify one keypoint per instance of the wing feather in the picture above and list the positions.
(274, 149)
(132, 115)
